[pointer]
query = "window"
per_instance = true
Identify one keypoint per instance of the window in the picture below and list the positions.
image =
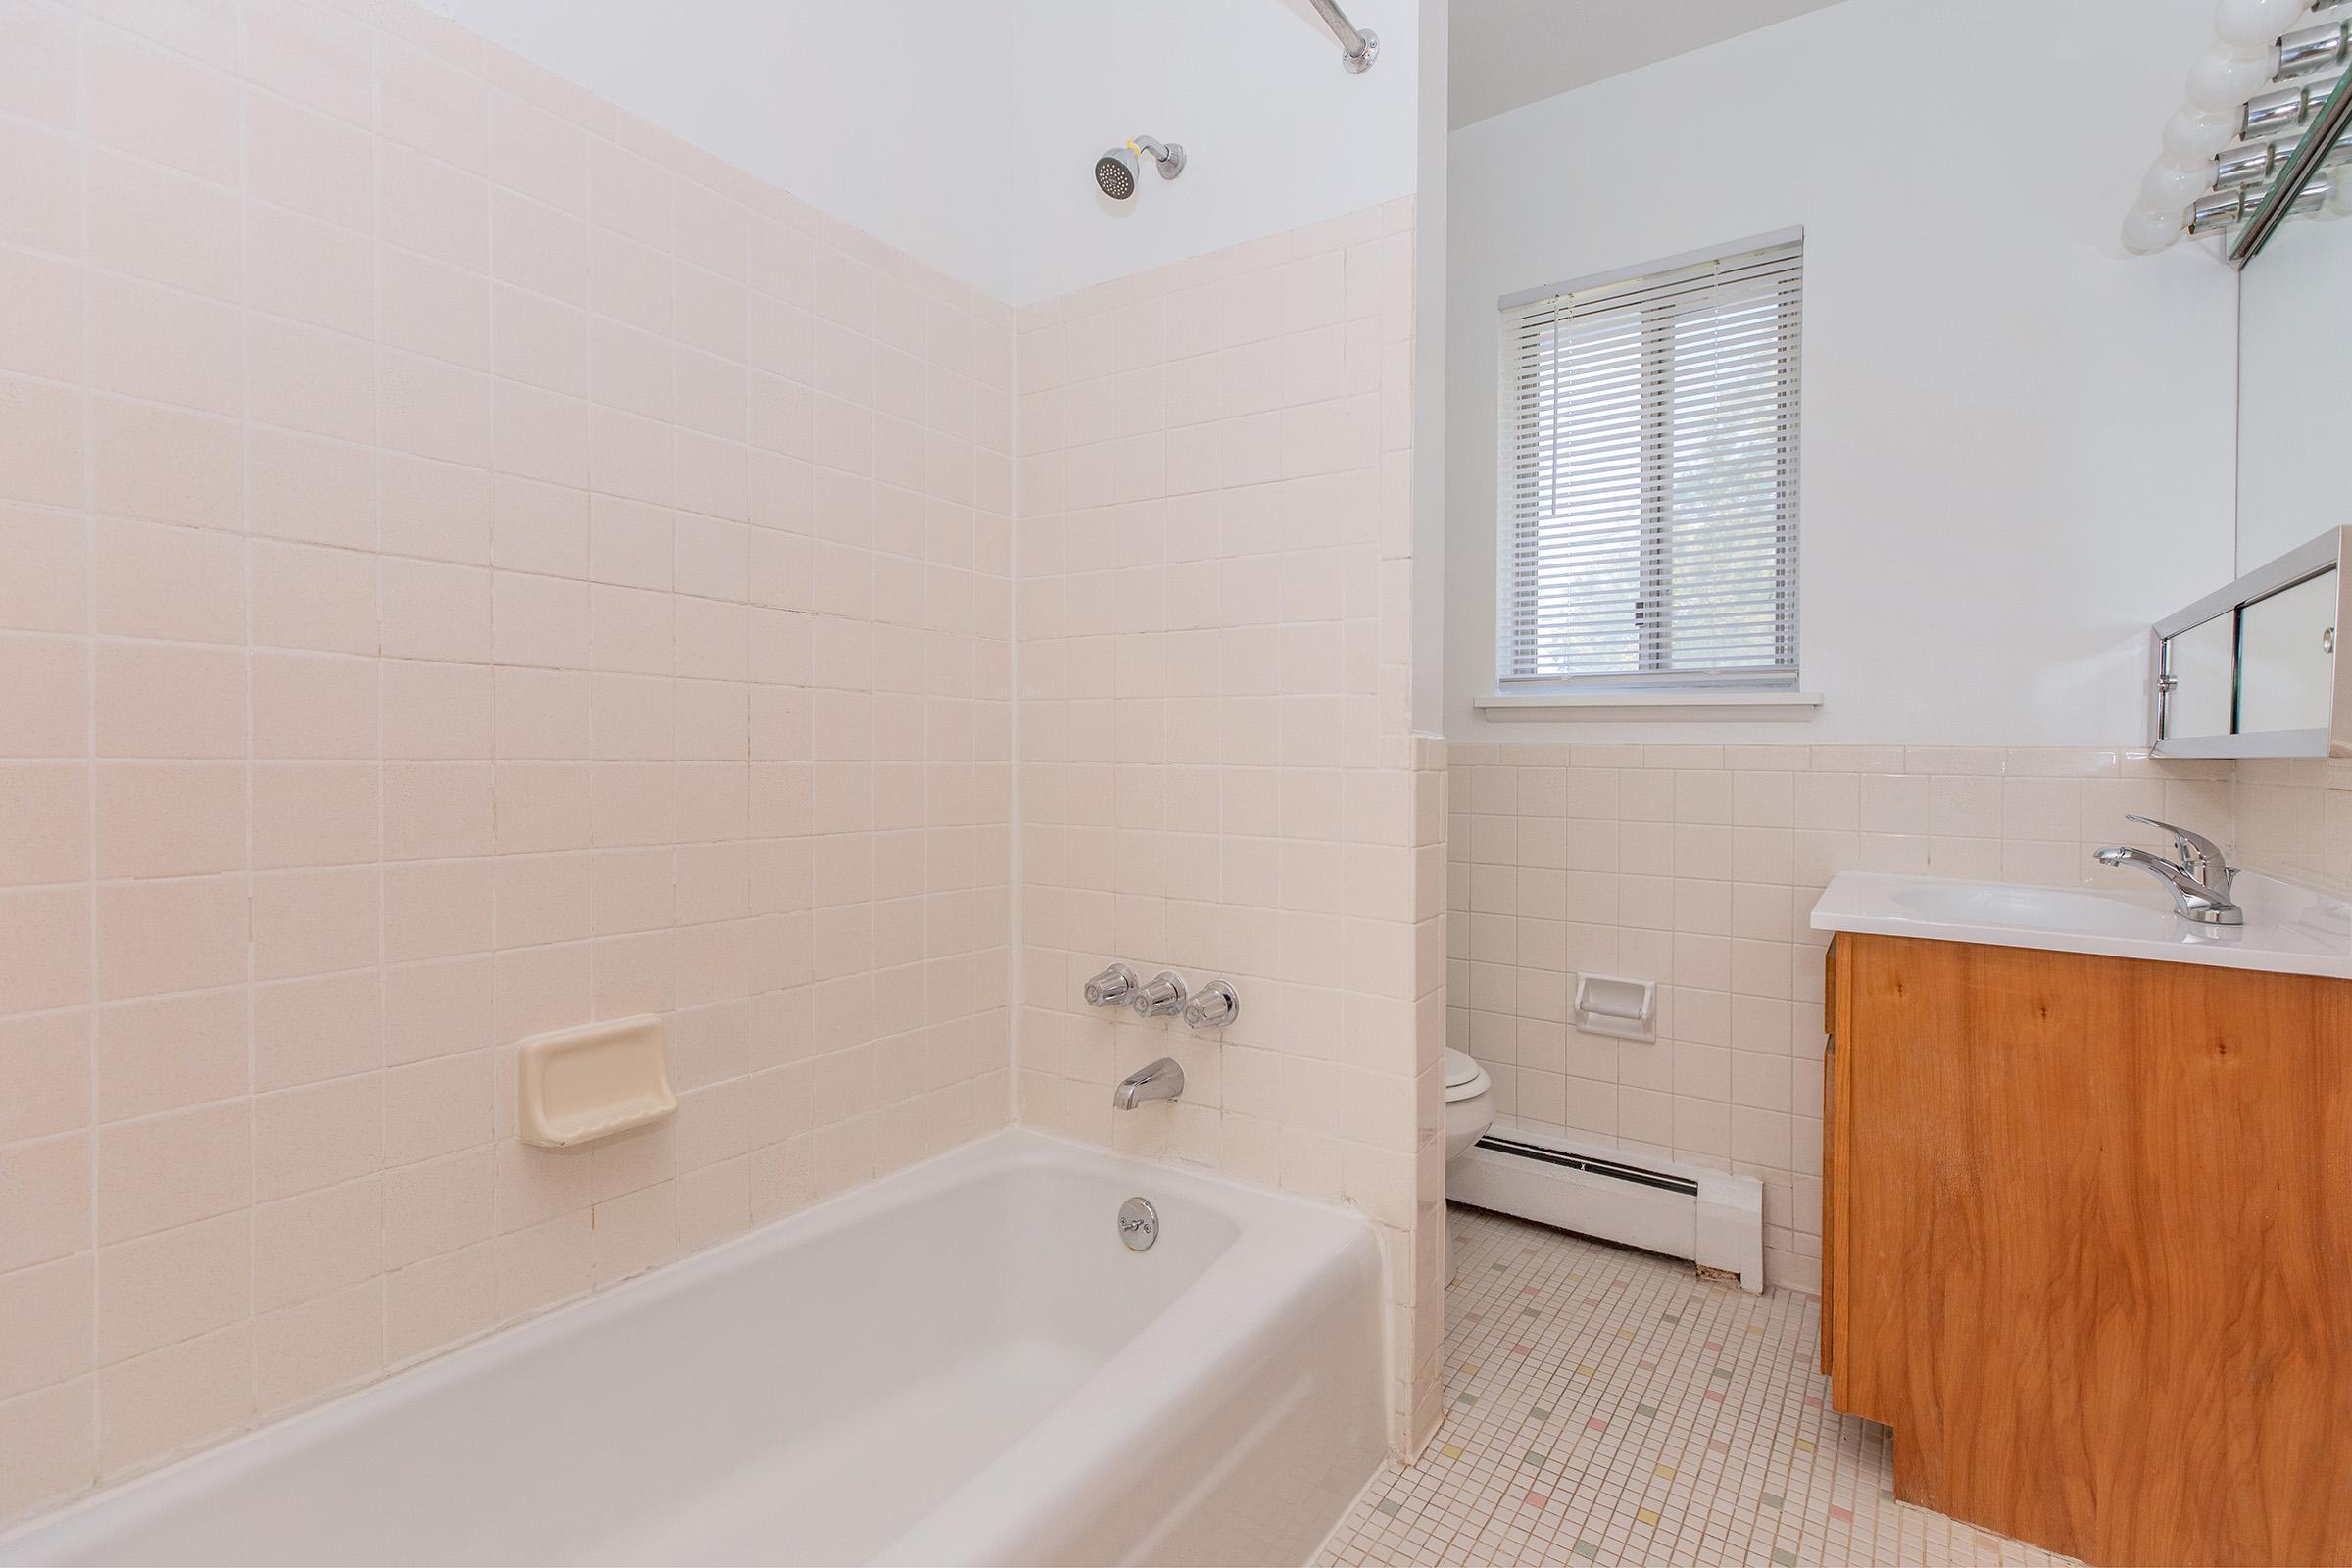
(1650, 485)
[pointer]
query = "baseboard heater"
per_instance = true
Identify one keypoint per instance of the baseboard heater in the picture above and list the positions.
(1660, 1205)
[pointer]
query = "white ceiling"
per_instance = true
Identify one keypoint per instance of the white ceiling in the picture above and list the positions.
(1507, 53)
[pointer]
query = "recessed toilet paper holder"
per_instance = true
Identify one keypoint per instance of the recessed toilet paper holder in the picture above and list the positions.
(1626, 1009)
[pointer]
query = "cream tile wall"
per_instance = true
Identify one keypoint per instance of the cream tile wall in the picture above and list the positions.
(1216, 769)
(2296, 817)
(469, 564)
(1698, 866)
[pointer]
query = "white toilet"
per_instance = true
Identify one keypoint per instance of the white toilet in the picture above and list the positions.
(1469, 1102)
(1469, 1112)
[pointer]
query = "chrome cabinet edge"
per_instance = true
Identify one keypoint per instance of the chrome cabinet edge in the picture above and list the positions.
(2298, 566)
(2330, 552)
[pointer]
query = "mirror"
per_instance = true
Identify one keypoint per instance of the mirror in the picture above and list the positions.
(2251, 670)
(2286, 657)
(2294, 479)
(2294, 441)
(2202, 668)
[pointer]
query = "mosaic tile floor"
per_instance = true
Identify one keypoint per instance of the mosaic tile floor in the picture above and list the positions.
(1605, 1406)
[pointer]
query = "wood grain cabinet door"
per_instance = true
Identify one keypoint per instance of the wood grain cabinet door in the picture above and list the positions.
(2096, 1223)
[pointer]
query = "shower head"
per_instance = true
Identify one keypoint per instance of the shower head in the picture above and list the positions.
(1116, 170)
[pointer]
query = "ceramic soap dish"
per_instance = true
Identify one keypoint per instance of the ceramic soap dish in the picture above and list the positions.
(579, 1085)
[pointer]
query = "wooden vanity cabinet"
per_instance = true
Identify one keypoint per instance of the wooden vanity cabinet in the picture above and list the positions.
(2086, 1242)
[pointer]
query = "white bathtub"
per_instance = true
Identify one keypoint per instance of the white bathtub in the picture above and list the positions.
(959, 1364)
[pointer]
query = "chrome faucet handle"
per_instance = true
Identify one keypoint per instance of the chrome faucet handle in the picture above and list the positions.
(1214, 1007)
(2192, 900)
(2200, 857)
(1165, 996)
(1114, 987)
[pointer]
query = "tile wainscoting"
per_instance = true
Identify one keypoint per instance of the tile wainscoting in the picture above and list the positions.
(472, 563)
(1217, 770)
(469, 565)
(2296, 817)
(1698, 866)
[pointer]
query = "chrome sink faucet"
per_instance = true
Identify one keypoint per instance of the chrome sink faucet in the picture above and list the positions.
(2200, 879)
(1163, 1080)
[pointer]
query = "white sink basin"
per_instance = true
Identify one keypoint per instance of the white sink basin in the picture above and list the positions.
(2289, 930)
(2034, 909)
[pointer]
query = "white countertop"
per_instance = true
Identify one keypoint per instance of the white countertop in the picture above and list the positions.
(2289, 930)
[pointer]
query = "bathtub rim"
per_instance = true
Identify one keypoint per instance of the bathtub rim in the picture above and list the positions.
(1265, 1215)
(1221, 1323)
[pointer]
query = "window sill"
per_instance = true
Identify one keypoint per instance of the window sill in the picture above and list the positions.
(1535, 707)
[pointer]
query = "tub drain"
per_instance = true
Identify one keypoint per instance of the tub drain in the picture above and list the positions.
(1139, 1224)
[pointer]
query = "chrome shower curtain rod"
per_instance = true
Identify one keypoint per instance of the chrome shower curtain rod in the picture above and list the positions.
(1360, 48)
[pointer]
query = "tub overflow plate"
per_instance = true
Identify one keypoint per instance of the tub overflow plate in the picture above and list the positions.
(1139, 1224)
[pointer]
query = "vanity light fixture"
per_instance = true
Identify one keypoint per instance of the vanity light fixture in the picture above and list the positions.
(2252, 98)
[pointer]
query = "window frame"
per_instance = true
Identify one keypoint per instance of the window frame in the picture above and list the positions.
(1628, 690)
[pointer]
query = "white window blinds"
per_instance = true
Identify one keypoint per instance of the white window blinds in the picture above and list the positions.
(1650, 477)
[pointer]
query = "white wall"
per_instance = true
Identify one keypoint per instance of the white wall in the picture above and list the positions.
(889, 115)
(2017, 441)
(1278, 134)
(965, 134)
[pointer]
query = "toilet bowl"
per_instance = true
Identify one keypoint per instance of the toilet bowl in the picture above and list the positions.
(1469, 1112)
(1469, 1102)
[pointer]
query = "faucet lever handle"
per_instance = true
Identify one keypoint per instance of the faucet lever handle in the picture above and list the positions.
(1165, 994)
(1214, 1007)
(1114, 987)
(2200, 857)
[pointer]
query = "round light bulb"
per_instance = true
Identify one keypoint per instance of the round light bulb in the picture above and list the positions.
(2223, 80)
(2170, 187)
(2146, 232)
(2192, 135)
(2254, 24)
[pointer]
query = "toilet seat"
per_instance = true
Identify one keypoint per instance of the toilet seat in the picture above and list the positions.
(1465, 1079)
